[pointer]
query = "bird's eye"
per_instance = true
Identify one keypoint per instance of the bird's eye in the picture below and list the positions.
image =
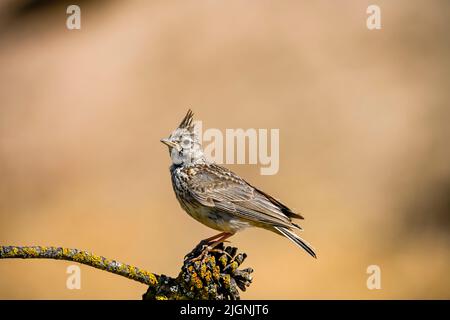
(186, 143)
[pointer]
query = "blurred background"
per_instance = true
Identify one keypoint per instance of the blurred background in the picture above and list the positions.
(363, 118)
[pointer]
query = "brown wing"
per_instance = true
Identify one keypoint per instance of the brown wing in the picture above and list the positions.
(282, 207)
(218, 187)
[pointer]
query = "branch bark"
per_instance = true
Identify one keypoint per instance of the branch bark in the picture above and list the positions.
(83, 257)
(215, 276)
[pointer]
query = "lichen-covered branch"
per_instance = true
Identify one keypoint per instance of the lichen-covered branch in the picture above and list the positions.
(83, 257)
(215, 276)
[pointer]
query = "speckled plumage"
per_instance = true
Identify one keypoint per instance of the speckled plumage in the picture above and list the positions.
(217, 197)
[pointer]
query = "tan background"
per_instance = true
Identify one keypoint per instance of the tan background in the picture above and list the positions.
(363, 118)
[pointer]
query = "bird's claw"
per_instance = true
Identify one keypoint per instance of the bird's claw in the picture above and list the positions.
(204, 253)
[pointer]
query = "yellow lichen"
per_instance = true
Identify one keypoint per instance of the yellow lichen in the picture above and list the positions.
(198, 283)
(65, 252)
(13, 252)
(133, 273)
(226, 281)
(98, 260)
(208, 276)
(216, 273)
(151, 278)
(234, 265)
(203, 270)
(30, 251)
(223, 260)
(123, 269)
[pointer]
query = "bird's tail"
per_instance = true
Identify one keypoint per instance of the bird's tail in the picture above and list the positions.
(297, 240)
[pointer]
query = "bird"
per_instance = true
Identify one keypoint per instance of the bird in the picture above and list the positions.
(220, 199)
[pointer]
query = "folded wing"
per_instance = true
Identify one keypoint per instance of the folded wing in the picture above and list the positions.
(220, 188)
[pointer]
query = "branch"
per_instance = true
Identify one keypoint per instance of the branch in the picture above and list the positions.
(83, 257)
(216, 276)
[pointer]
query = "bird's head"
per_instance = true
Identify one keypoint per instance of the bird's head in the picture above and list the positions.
(184, 143)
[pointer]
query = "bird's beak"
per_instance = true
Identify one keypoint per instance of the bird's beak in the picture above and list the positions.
(168, 143)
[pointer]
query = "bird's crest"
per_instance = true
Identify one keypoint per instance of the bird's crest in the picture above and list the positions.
(186, 123)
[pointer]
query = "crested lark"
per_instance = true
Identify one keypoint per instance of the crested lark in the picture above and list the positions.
(220, 199)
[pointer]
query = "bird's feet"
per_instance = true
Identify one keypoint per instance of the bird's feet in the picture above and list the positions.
(201, 251)
(203, 254)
